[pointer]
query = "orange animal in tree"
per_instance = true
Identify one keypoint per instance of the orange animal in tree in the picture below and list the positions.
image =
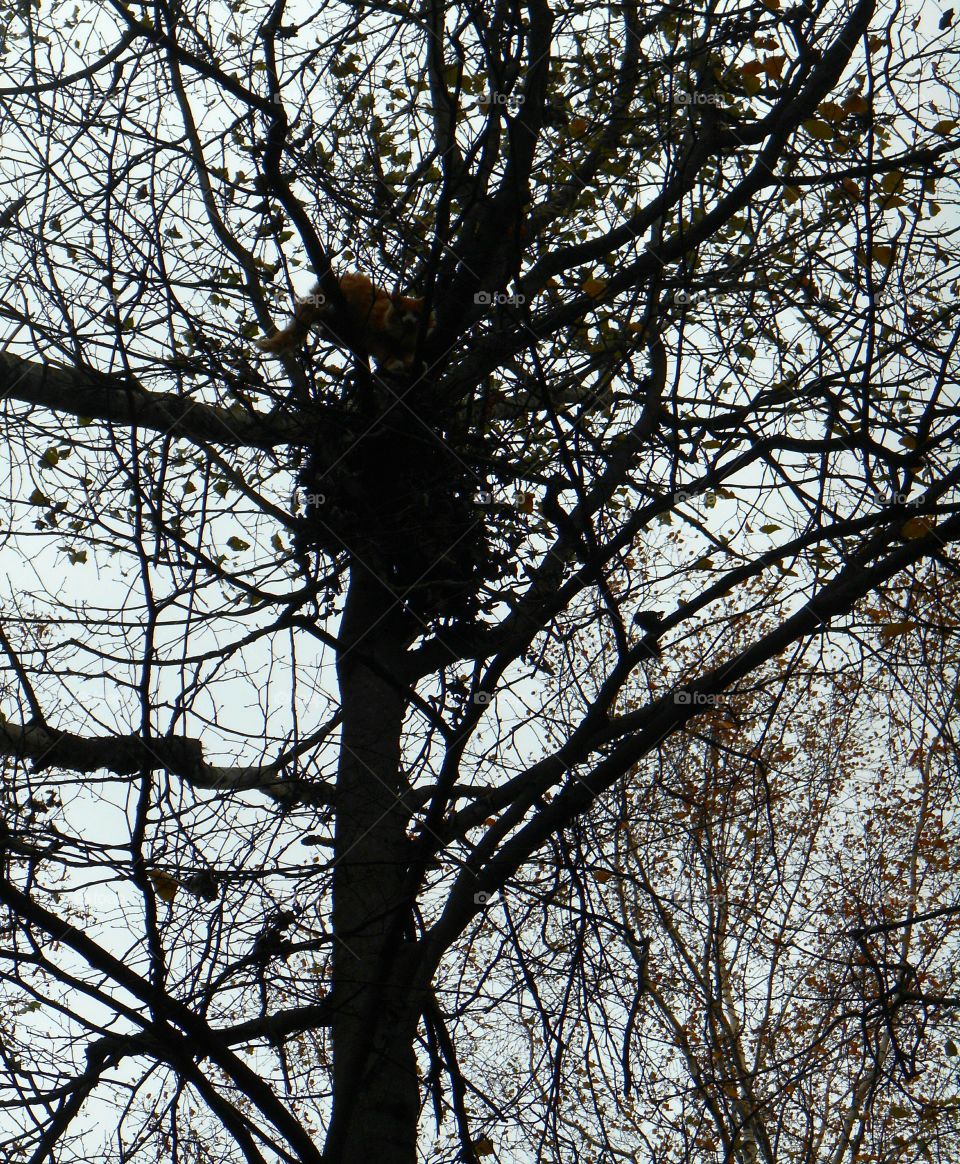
(387, 325)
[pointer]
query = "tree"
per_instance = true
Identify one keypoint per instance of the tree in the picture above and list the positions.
(293, 790)
(780, 1021)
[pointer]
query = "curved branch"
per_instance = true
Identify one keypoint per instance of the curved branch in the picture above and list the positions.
(129, 755)
(80, 75)
(119, 400)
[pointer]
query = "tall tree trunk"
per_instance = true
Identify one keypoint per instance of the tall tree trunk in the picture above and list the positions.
(376, 1094)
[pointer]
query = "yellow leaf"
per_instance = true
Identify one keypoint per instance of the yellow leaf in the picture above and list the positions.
(916, 527)
(602, 875)
(893, 629)
(856, 104)
(237, 544)
(831, 111)
(892, 183)
(792, 194)
(945, 127)
(483, 1147)
(818, 129)
(37, 497)
(593, 287)
(165, 885)
(578, 126)
(752, 84)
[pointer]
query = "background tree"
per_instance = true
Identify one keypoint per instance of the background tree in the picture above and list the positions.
(778, 1019)
(399, 762)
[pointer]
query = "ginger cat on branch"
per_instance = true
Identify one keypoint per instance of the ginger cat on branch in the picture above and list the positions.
(387, 325)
